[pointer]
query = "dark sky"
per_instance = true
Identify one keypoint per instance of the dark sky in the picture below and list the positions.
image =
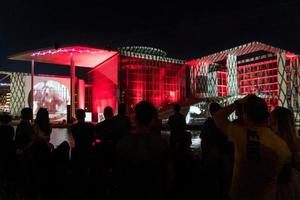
(185, 30)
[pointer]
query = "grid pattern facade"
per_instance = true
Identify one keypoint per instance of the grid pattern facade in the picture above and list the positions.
(261, 79)
(222, 83)
(232, 75)
(159, 82)
(295, 80)
(199, 80)
(275, 80)
(282, 79)
(17, 93)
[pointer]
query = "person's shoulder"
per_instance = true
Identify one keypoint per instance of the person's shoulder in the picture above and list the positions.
(171, 116)
(209, 122)
(125, 141)
(181, 115)
(74, 126)
(24, 124)
(116, 117)
(277, 141)
(235, 127)
(235, 132)
(99, 124)
(89, 124)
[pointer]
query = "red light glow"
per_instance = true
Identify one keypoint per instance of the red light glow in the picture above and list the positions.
(158, 82)
(98, 141)
(105, 85)
(261, 78)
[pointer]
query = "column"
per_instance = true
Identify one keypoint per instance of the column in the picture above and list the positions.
(201, 80)
(81, 94)
(212, 82)
(232, 85)
(282, 79)
(72, 73)
(17, 89)
(295, 86)
(32, 84)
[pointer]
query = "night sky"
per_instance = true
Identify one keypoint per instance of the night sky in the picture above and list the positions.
(184, 30)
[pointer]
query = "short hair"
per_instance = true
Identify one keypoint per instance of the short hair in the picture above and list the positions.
(256, 109)
(5, 118)
(80, 114)
(42, 116)
(144, 113)
(214, 107)
(108, 112)
(122, 108)
(176, 107)
(26, 113)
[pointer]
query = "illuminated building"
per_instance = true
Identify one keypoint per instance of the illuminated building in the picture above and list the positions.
(128, 75)
(135, 74)
(132, 74)
(253, 68)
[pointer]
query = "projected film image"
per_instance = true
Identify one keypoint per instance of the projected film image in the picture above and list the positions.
(54, 96)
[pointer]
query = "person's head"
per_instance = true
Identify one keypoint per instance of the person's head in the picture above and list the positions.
(144, 113)
(213, 108)
(43, 121)
(239, 110)
(255, 111)
(26, 114)
(282, 122)
(80, 115)
(108, 112)
(5, 118)
(42, 116)
(122, 109)
(176, 108)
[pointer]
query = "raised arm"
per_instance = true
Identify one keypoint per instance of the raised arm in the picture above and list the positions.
(221, 117)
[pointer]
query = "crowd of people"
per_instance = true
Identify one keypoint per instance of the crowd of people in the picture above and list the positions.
(253, 157)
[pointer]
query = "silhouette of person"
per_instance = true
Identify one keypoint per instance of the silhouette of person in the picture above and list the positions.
(23, 143)
(105, 132)
(156, 124)
(260, 155)
(83, 134)
(7, 153)
(217, 154)
(122, 122)
(177, 124)
(142, 159)
(24, 131)
(282, 122)
(41, 154)
(61, 162)
(105, 149)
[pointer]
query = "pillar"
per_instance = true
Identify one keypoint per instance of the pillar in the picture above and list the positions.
(282, 79)
(232, 84)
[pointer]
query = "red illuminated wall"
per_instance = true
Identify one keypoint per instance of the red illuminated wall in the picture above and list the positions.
(261, 78)
(102, 86)
(159, 82)
(222, 83)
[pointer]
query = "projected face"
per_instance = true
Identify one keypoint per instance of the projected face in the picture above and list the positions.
(51, 95)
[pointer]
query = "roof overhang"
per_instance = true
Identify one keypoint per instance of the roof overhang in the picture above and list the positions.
(239, 51)
(82, 56)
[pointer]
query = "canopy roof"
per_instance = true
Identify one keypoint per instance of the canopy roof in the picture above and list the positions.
(82, 56)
